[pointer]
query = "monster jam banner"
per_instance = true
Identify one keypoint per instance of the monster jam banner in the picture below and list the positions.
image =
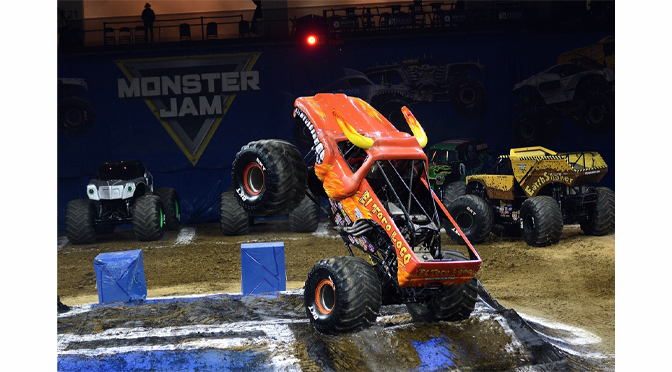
(185, 112)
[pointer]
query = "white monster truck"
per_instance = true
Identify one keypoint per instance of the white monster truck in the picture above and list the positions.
(122, 193)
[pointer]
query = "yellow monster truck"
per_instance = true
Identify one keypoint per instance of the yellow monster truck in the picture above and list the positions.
(533, 191)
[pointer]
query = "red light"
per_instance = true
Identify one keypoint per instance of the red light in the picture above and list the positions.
(311, 40)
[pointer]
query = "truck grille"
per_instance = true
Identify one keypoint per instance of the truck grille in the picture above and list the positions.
(110, 192)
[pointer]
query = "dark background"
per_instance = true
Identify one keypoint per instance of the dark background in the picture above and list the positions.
(127, 128)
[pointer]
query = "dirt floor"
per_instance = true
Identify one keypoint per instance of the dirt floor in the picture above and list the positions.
(572, 282)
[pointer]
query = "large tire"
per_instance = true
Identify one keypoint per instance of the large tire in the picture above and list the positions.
(541, 221)
(269, 177)
(453, 303)
(537, 127)
(342, 294)
(602, 214)
(451, 191)
(233, 219)
(597, 113)
(171, 207)
(79, 223)
(75, 116)
(469, 98)
(474, 217)
(148, 218)
(305, 217)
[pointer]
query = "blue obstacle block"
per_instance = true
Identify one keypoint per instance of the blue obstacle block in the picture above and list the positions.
(263, 267)
(120, 276)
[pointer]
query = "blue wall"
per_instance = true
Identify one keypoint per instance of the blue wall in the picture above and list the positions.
(275, 74)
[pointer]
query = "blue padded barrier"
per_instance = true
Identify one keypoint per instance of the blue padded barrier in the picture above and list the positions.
(263, 267)
(120, 276)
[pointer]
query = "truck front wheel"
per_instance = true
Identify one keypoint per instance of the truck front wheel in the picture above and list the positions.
(541, 221)
(474, 217)
(79, 224)
(269, 177)
(342, 294)
(148, 218)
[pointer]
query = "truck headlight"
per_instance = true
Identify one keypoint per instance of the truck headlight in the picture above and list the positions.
(129, 189)
(92, 192)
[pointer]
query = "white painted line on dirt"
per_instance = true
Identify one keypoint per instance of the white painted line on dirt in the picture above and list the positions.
(278, 340)
(576, 336)
(567, 336)
(62, 241)
(185, 236)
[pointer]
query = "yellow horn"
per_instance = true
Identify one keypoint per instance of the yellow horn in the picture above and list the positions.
(416, 128)
(357, 139)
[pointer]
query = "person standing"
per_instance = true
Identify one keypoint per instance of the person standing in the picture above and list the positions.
(148, 17)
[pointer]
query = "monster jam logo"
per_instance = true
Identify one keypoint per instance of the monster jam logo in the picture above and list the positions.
(189, 95)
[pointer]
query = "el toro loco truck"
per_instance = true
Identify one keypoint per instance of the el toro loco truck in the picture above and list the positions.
(376, 180)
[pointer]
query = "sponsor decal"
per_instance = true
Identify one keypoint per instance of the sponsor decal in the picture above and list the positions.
(189, 95)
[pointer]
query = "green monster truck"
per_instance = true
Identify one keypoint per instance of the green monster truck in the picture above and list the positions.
(454, 160)
(533, 191)
(377, 183)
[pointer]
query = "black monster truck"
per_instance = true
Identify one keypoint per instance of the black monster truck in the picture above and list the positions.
(387, 88)
(376, 180)
(122, 193)
(252, 181)
(584, 95)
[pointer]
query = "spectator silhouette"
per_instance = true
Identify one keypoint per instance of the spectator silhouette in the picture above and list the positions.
(148, 17)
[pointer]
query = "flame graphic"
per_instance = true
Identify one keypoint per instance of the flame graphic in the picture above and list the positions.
(332, 185)
(367, 108)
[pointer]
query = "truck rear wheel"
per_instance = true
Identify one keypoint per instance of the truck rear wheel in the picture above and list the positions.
(233, 219)
(602, 214)
(79, 223)
(469, 98)
(342, 294)
(541, 221)
(474, 217)
(451, 191)
(305, 217)
(269, 177)
(171, 207)
(453, 303)
(148, 218)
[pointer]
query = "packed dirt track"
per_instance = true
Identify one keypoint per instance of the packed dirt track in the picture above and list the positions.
(549, 308)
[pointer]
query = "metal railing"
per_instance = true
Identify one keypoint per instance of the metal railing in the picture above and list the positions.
(177, 29)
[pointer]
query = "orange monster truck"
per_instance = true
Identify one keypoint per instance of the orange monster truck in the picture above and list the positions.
(376, 180)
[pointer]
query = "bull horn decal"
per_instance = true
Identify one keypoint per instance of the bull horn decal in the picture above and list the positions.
(357, 139)
(416, 128)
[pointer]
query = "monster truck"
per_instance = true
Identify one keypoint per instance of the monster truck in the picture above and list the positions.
(584, 95)
(388, 88)
(302, 210)
(454, 160)
(122, 193)
(534, 191)
(377, 183)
